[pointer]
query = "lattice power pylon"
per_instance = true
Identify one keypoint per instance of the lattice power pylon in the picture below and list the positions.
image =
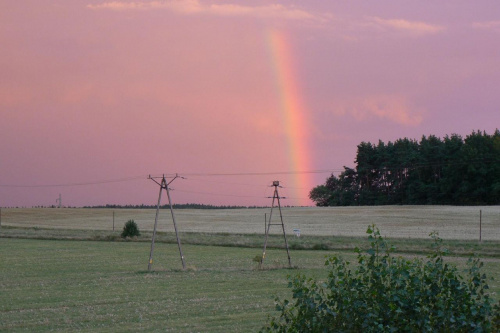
(164, 186)
(276, 197)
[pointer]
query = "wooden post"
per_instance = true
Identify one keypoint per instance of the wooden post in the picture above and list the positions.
(150, 264)
(175, 224)
(480, 223)
(113, 220)
(0, 217)
(265, 223)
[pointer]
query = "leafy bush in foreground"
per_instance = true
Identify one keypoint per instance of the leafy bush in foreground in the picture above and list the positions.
(130, 229)
(388, 294)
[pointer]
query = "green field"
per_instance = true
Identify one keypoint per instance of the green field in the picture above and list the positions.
(56, 276)
(68, 285)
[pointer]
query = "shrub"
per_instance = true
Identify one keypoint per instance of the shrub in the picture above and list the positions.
(387, 294)
(130, 229)
(323, 247)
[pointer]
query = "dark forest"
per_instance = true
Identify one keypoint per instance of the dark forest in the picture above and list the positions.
(432, 171)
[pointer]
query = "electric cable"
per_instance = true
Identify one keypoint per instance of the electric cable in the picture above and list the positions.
(220, 194)
(120, 180)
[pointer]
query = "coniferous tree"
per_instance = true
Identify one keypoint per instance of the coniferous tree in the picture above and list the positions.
(452, 170)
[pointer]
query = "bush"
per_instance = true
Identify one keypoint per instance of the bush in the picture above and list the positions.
(387, 294)
(323, 247)
(130, 229)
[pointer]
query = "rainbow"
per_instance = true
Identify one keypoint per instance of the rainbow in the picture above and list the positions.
(293, 114)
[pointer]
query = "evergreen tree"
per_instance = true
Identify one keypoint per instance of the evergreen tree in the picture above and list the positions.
(432, 171)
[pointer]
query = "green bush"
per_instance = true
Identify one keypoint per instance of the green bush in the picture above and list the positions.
(384, 293)
(323, 247)
(130, 229)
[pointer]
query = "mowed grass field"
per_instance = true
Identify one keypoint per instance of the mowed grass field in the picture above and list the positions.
(57, 283)
(104, 286)
(394, 221)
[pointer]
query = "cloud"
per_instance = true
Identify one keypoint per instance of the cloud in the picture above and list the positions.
(268, 11)
(488, 25)
(274, 11)
(394, 108)
(187, 7)
(414, 28)
(180, 6)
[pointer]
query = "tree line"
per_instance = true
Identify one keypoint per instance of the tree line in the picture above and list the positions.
(435, 171)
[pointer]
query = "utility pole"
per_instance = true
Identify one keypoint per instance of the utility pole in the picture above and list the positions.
(480, 223)
(276, 197)
(164, 186)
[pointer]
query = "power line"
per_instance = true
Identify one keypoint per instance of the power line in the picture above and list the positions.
(293, 172)
(133, 178)
(319, 171)
(229, 183)
(142, 177)
(234, 195)
(221, 194)
(120, 180)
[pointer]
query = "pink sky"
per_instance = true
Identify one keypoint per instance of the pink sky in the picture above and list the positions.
(95, 91)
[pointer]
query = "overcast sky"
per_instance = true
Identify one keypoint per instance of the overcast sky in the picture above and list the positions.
(104, 91)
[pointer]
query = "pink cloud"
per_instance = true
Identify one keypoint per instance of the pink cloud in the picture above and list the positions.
(181, 6)
(394, 108)
(489, 25)
(414, 28)
(269, 11)
(274, 11)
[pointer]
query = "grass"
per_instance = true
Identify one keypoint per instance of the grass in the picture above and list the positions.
(67, 285)
(490, 249)
(104, 286)
(395, 221)
(65, 269)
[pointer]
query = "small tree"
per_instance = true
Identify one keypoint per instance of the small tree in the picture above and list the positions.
(130, 229)
(388, 294)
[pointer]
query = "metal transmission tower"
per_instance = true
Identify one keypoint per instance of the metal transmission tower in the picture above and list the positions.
(59, 201)
(164, 186)
(276, 197)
